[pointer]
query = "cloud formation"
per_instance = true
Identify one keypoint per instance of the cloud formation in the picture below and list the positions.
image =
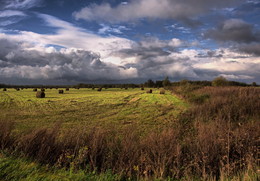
(20, 59)
(71, 53)
(184, 11)
(19, 4)
(234, 30)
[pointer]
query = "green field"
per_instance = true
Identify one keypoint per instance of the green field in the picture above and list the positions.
(110, 108)
(119, 134)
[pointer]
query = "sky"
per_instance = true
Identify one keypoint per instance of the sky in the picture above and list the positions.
(130, 41)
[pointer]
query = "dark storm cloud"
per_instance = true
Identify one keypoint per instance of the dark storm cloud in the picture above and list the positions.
(253, 48)
(234, 30)
(210, 54)
(23, 60)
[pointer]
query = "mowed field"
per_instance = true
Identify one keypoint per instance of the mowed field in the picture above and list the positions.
(111, 108)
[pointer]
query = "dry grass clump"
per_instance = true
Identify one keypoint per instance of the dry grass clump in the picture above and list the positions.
(40, 94)
(6, 140)
(61, 91)
(238, 104)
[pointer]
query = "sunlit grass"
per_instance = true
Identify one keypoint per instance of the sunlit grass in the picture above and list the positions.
(90, 108)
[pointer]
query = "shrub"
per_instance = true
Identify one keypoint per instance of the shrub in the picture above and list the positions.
(4, 89)
(67, 89)
(61, 91)
(99, 89)
(35, 90)
(220, 81)
(42, 89)
(142, 88)
(40, 94)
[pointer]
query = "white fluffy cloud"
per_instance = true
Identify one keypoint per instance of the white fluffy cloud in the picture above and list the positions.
(137, 9)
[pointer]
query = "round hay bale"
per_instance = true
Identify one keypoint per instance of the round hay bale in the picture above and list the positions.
(35, 90)
(40, 94)
(149, 91)
(99, 89)
(162, 91)
(4, 89)
(67, 89)
(61, 91)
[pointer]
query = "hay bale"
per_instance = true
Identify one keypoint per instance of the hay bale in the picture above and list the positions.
(4, 89)
(35, 90)
(99, 89)
(162, 91)
(67, 89)
(42, 89)
(61, 91)
(40, 94)
(149, 91)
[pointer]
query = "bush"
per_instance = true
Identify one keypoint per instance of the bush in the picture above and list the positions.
(220, 81)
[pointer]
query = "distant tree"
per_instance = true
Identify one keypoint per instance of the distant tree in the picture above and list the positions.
(220, 81)
(166, 82)
(149, 83)
(184, 82)
(254, 84)
(159, 83)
